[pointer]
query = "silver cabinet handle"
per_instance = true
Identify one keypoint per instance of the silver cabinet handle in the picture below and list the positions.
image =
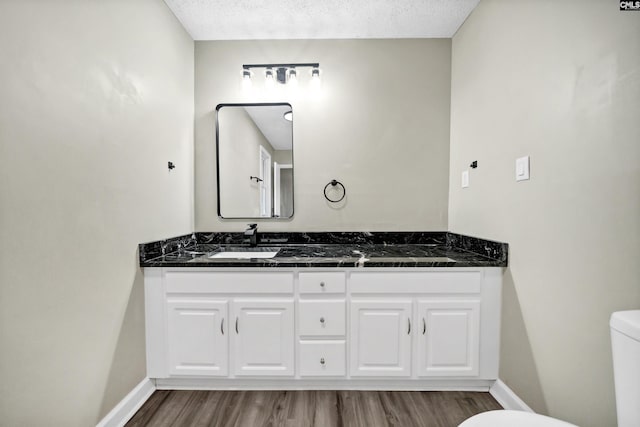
(222, 326)
(322, 284)
(322, 320)
(424, 326)
(322, 360)
(237, 325)
(409, 326)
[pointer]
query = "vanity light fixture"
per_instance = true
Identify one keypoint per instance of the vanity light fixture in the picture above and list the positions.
(282, 73)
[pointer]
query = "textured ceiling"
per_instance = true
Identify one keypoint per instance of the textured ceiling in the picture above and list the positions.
(320, 19)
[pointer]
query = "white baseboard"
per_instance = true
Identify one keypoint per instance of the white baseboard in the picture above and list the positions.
(507, 398)
(321, 384)
(128, 406)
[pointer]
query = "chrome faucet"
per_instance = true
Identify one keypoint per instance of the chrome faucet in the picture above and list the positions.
(252, 234)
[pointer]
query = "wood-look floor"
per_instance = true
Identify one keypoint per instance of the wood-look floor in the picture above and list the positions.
(311, 408)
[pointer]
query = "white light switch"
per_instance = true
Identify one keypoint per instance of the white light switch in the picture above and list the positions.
(465, 179)
(522, 168)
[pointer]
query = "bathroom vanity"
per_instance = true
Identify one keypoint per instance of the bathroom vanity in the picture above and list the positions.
(413, 311)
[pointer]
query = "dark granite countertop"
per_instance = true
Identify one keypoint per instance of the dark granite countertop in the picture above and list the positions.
(339, 249)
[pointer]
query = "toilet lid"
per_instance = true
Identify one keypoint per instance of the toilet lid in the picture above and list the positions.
(627, 322)
(506, 418)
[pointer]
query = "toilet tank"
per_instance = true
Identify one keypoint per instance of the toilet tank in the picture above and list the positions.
(625, 342)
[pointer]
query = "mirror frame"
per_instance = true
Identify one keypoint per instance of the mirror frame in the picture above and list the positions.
(253, 218)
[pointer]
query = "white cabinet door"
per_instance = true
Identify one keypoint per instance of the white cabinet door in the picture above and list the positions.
(381, 338)
(448, 343)
(197, 337)
(263, 337)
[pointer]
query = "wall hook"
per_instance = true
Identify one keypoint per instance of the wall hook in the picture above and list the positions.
(171, 166)
(474, 164)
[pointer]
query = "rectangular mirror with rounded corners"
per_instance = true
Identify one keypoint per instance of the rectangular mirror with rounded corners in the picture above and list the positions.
(254, 155)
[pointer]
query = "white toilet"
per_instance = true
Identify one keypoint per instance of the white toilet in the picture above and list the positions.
(625, 342)
(506, 418)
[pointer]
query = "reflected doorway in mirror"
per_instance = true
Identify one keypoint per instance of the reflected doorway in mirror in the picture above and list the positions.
(265, 184)
(282, 190)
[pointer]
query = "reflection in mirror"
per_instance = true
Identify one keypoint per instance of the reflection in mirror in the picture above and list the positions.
(255, 160)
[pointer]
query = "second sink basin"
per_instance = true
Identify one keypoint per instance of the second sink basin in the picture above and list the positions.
(245, 253)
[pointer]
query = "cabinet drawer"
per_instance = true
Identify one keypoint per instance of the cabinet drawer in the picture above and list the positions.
(322, 317)
(454, 282)
(180, 281)
(322, 358)
(322, 283)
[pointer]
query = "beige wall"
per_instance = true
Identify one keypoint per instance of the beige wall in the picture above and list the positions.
(96, 97)
(559, 81)
(379, 124)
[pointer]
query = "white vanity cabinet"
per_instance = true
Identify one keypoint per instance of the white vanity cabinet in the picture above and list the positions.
(202, 323)
(337, 328)
(380, 338)
(197, 343)
(448, 332)
(199, 330)
(446, 336)
(263, 337)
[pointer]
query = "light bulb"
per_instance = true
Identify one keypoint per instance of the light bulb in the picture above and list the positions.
(269, 78)
(246, 79)
(293, 77)
(315, 77)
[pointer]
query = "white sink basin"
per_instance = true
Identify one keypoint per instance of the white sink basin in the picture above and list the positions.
(244, 255)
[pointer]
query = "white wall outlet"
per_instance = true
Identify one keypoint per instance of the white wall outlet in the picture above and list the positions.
(522, 168)
(465, 179)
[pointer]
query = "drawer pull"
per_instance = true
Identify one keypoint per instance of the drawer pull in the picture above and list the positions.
(222, 326)
(322, 284)
(237, 326)
(322, 320)
(322, 360)
(424, 326)
(408, 326)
